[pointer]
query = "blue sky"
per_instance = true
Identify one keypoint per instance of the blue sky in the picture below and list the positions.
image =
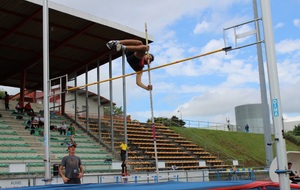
(208, 88)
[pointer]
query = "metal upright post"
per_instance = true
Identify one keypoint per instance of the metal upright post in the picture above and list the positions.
(263, 92)
(275, 96)
(75, 98)
(124, 99)
(111, 104)
(99, 102)
(87, 98)
(47, 178)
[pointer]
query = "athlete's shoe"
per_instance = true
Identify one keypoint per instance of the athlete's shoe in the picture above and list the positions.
(120, 47)
(112, 44)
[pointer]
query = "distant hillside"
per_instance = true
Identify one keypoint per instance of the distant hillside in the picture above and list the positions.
(248, 148)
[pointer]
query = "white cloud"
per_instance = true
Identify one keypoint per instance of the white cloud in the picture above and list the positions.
(296, 22)
(218, 101)
(288, 46)
(201, 27)
(279, 25)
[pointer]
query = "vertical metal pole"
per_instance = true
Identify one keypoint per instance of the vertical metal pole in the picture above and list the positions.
(275, 95)
(87, 98)
(99, 101)
(124, 99)
(52, 96)
(111, 104)
(47, 178)
(263, 91)
(76, 95)
(60, 95)
(151, 106)
(235, 39)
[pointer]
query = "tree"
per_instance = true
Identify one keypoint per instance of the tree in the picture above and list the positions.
(116, 110)
(173, 121)
(296, 130)
(2, 93)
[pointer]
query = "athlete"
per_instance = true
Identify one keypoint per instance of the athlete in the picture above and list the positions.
(136, 56)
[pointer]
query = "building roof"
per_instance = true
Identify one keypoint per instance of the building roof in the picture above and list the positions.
(76, 39)
(30, 96)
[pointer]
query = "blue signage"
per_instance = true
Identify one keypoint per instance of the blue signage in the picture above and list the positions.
(275, 107)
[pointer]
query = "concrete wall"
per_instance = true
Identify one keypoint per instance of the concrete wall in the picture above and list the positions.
(250, 114)
(81, 104)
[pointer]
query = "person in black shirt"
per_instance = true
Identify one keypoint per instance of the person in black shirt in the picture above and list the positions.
(293, 177)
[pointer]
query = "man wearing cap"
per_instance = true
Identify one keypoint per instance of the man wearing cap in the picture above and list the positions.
(73, 167)
(293, 177)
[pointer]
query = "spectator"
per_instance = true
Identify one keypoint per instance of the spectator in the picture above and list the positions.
(124, 172)
(20, 107)
(6, 101)
(28, 123)
(36, 121)
(292, 176)
(228, 123)
(28, 109)
(63, 128)
(41, 121)
(73, 167)
(247, 128)
(174, 167)
(123, 147)
(72, 133)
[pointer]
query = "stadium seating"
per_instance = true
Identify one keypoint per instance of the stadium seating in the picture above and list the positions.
(172, 148)
(17, 145)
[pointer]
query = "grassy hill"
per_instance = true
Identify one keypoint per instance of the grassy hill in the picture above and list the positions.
(248, 148)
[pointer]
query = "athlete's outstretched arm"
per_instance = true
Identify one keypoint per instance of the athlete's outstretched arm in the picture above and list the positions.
(139, 82)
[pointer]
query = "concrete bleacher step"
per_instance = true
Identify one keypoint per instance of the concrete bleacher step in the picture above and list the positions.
(35, 144)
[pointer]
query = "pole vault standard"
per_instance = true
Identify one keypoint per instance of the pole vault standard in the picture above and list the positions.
(153, 68)
(282, 170)
(151, 106)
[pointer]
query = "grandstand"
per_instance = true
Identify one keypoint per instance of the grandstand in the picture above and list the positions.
(19, 146)
(172, 149)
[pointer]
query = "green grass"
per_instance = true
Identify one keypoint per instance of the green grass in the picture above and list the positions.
(248, 148)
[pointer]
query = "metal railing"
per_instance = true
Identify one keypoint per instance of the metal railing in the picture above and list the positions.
(203, 175)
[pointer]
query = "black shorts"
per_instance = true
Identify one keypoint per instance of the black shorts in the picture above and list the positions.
(73, 181)
(133, 61)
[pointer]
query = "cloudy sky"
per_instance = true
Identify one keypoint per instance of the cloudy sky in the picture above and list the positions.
(208, 88)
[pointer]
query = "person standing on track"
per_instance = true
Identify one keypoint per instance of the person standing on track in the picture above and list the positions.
(73, 167)
(123, 147)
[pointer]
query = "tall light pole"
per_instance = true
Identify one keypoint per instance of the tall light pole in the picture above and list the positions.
(180, 114)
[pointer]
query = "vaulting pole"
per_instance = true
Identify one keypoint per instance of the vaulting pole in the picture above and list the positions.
(151, 106)
(153, 68)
